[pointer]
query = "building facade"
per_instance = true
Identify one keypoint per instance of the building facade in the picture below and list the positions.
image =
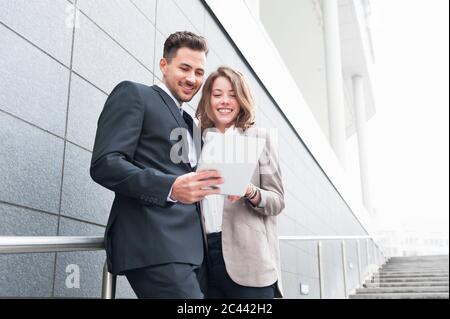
(59, 60)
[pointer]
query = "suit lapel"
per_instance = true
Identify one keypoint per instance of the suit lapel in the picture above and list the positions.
(173, 108)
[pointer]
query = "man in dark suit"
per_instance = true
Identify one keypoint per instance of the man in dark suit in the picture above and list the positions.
(154, 234)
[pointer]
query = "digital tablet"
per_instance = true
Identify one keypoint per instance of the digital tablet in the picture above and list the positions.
(234, 156)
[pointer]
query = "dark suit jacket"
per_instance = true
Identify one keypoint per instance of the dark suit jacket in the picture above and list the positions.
(131, 157)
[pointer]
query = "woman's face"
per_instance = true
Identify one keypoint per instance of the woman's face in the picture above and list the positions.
(224, 105)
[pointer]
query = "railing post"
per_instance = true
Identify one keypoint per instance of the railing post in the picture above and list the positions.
(108, 284)
(367, 255)
(377, 258)
(380, 260)
(358, 254)
(319, 260)
(344, 267)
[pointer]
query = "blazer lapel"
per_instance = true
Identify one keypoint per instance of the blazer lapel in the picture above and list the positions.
(173, 108)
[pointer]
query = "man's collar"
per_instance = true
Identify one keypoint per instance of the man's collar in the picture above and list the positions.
(166, 89)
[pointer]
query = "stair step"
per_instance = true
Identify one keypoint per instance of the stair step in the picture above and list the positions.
(443, 269)
(439, 262)
(419, 260)
(416, 258)
(414, 277)
(409, 279)
(435, 262)
(432, 266)
(422, 257)
(425, 275)
(408, 275)
(406, 284)
(401, 290)
(424, 295)
(412, 272)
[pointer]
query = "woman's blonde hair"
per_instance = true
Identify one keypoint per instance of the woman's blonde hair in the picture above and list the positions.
(246, 116)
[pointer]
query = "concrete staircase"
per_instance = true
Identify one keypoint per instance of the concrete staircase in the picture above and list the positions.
(420, 277)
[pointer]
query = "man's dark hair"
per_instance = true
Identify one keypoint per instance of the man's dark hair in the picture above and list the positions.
(183, 39)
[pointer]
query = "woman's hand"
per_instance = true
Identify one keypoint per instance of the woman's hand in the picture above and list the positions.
(233, 198)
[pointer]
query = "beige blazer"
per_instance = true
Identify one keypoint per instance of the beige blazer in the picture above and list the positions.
(249, 234)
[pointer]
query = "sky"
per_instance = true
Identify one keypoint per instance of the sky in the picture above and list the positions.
(408, 137)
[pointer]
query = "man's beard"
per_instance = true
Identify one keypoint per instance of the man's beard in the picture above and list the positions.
(180, 99)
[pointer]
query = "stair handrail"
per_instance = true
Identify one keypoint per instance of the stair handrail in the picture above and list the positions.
(45, 244)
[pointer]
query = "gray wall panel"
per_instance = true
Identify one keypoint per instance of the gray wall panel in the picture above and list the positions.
(102, 61)
(147, 7)
(33, 85)
(159, 48)
(135, 33)
(290, 285)
(170, 19)
(82, 198)
(90, 265)
(219, 43)
(86, 104)
(194, 11)
(31, 165)
(26, 275)
(46, 23)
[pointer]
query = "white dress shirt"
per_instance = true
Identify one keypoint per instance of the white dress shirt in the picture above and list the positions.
(192, 152)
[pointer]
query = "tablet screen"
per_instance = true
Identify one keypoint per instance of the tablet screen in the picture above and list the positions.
(234, 156)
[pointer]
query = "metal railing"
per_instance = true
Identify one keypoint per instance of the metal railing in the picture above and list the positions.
(19, 244)
(343, 239)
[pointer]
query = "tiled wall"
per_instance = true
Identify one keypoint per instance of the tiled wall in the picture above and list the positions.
(54, 80)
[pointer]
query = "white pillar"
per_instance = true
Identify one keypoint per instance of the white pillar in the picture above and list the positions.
(360, 115)
(335, 86)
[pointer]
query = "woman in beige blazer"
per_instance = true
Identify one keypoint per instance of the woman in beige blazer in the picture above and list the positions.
(243, 252)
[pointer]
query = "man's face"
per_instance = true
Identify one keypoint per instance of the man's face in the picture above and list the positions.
(184, 74)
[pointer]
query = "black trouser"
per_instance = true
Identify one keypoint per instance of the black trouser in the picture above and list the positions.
(220, 285)
(167, 281)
